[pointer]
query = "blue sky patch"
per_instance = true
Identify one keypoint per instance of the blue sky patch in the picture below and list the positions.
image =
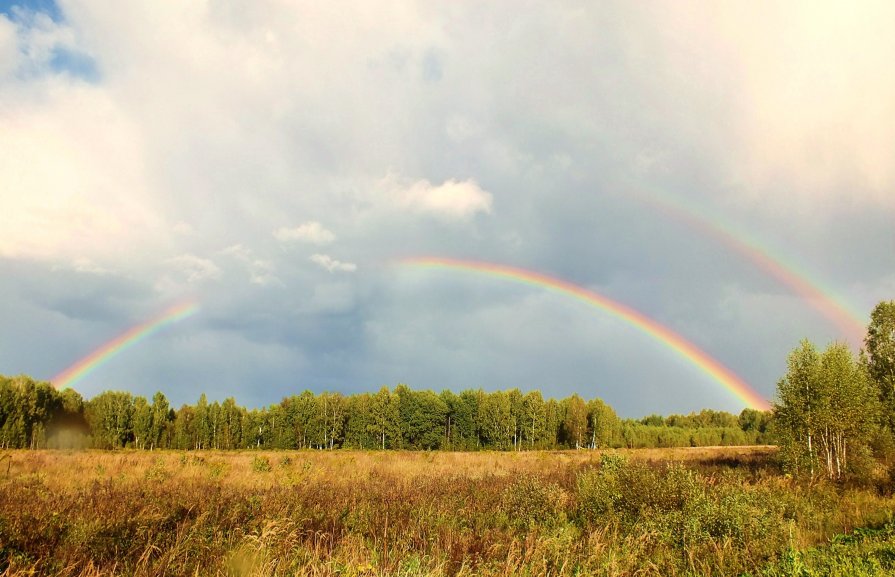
(74, 63)
(48, 7)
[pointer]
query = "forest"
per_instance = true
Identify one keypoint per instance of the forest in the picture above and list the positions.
(834, 409)
(35, 415)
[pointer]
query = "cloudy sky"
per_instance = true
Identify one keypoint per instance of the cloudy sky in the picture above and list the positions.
(272, 161)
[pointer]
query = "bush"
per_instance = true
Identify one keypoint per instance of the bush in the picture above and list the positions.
(530, 501)
(261, 464)
(625, 492)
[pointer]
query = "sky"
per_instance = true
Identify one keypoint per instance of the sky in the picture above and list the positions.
(273, 163)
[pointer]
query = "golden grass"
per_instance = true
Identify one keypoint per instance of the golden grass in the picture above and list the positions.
(358, 513)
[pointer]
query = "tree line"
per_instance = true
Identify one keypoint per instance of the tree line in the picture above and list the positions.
(35, 415)
(835, 413)
(834, 416)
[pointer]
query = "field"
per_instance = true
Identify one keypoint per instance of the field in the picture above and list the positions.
(708, 511)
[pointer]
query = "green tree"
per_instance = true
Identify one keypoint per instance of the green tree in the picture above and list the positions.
(826, 411)
(574, 424)
(465, 427)
(160, 412)
(795, 411)
(385, 419)
(603, 424)
(358, 422)
(553, 417)
(231, 424)
(423, 415)
(12, 419)
(851, 409)
(534, 420)
(142, 422)
(496, 420)
(201, 423)
(332, 409)
(185, 436)
(514, 396)
(756, 425)
(880, 347)
(110, 416)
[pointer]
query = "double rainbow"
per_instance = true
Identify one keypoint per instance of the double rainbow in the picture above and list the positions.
(128, 338)
(823, 299)
(696, 356)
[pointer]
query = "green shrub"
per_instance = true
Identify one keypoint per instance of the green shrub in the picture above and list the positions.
(261, 464)
(531, 501)
(625, 492)
(157, 471)
(613, 462)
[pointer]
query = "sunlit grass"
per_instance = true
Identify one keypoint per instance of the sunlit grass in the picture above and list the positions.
(724, 511)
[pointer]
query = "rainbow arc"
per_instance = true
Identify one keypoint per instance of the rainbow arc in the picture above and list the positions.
(667, 337)
(100, 356)
(812, 292)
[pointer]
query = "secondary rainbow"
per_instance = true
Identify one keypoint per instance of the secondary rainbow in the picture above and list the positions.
(822, 299)
(126, 339)
(696, 356)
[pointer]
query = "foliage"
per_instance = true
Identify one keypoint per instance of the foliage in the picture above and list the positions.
(826, 412)
(530, 501)
(867, 552)
(261, 464)
(35, 415)
(880, 346)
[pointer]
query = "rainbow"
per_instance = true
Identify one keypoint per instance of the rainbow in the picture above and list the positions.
(130, 337)
(663, 334)
(822, 299)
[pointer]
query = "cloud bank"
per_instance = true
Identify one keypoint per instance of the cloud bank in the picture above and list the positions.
(271, 160)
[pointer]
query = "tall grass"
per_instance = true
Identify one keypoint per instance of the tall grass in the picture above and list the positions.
(705, 512)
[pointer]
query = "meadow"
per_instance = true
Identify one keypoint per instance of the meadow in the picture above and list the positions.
(701, 511)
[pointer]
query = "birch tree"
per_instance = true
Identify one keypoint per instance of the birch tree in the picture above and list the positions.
(826, 411)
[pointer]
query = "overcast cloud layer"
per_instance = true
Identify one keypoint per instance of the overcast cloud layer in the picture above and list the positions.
(271, 160)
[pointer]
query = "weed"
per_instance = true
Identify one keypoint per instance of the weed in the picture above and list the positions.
(261, 464)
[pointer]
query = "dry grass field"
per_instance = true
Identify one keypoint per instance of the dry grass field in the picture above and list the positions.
(707, 511)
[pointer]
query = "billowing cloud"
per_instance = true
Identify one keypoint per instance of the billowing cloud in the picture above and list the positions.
(65, 191)
(809, 95)
(310, 232)
(332, 265)
(194, 269)
(451, 199)
(261, 271)
(9, 52)
(159, 151)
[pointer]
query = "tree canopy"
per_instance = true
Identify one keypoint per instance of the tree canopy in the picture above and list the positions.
(35, 415)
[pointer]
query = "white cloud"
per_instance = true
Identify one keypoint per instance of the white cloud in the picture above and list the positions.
(809, 93)
(310, 232)
(9, 50)
(331, 264)
(261, 272)
(239, 252)
(451, 199)
(83, 265)
(72, 176)
(86, 265)
(194, 269)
